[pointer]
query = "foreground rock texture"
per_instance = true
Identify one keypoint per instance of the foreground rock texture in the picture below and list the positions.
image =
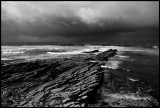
(72, 82)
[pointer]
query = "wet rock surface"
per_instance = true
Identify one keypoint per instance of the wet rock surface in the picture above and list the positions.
(94, 51)
(71, 82)
(106, 54)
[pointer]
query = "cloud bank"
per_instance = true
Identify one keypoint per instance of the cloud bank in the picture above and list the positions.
(53, 21)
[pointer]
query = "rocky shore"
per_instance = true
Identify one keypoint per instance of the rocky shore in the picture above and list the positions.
(72, 82)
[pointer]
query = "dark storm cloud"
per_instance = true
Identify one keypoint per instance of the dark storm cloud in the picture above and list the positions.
(78, 21)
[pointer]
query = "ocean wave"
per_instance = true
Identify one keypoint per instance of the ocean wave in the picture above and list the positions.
(43, 51)
(122, 56)
(65, 53)
(52, 51)
(155, 47)
(6, 59)
(71, 48)
(131, 79)
(12, 52)
(113, 64)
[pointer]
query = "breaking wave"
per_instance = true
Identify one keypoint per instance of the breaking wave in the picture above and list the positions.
(52, 51)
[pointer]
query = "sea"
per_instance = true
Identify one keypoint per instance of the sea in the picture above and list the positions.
(143, 60)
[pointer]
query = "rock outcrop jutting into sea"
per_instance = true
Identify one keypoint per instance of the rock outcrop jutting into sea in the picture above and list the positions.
(71, 82)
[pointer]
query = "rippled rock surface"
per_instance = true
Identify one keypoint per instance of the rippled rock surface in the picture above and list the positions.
(106, 54)
(71, 82)
(49, 83)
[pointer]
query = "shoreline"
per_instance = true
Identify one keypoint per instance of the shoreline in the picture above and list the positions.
(75, 79)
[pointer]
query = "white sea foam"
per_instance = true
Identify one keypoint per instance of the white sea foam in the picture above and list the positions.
(132, 79)
(65, 53)
(6, 59)
(122, 56)
(82, 48)
(16, 52)
(12, 52)
(155, 47)
(132, 96)
(113, 64)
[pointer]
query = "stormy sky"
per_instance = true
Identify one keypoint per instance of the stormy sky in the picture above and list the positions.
(68, 21)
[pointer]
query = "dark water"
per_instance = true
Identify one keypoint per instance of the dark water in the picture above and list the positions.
(144, 67)
(81, 44)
